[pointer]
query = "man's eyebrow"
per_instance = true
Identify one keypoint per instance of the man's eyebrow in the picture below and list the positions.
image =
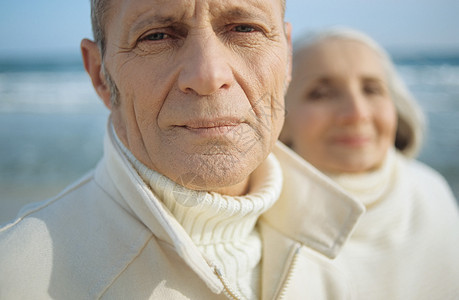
(163, 20)
(242, 13)
(227, 15)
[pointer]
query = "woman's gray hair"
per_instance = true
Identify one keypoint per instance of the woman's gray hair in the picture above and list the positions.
(411, 120)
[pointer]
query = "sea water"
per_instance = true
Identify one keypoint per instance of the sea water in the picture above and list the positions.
(52, 123)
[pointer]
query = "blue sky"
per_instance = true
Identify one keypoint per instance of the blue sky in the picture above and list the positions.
(57, 26)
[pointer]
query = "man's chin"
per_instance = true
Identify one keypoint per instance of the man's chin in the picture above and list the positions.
(216, 175)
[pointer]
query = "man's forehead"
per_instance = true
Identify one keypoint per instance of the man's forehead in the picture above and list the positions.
(181, 9)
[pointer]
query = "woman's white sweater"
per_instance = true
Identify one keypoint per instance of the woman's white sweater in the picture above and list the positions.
(405, 245)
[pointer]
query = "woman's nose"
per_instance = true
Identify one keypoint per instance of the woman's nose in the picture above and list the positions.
(354, 108)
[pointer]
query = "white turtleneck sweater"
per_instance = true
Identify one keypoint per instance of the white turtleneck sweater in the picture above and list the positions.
(405, 245)
(369, 187)
(222, 227)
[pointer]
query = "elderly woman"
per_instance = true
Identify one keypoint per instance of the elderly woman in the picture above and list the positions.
(350, 115)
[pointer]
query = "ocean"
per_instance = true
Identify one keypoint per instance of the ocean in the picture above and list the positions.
(52, 123)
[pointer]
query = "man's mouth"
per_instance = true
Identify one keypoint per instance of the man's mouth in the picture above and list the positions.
(212, 127)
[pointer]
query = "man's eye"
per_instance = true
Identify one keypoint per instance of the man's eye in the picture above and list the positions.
(157, 36)
(244, 28)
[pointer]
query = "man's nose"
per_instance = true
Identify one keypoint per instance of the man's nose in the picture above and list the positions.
(206, 67)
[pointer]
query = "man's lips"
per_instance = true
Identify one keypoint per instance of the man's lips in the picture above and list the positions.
(209, 128)
(197, 124)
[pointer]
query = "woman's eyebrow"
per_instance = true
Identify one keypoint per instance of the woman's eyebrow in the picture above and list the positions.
(373, 79)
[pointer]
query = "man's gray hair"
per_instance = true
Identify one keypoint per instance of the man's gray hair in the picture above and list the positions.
(99, 10)
(411, 120)
(98, 20)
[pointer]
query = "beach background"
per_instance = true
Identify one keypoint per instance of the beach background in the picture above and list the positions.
(52, 123)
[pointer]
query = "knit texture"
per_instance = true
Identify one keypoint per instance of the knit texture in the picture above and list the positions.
(222, 227)
(405, 244)
(369, 187)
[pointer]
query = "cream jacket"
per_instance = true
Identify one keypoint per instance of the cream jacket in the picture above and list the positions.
(109, 237)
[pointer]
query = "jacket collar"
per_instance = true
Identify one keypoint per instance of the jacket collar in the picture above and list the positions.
(312, 209)
(138, 199)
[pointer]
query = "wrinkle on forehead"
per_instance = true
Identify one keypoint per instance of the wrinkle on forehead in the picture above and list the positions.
(239, 8)
(137, 16)
(181, 8)
(167, 12)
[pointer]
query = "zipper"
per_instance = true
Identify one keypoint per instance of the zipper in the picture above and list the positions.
(291, 271)
(229, 292)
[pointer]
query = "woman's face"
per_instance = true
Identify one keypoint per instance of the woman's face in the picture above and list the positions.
(341, 117)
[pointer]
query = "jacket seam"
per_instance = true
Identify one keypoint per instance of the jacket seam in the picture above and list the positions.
(125, 267)
(85, 180)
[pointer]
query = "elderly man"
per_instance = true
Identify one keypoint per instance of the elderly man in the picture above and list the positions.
(193, 199)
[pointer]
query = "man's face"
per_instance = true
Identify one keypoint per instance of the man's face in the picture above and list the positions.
(201, 86)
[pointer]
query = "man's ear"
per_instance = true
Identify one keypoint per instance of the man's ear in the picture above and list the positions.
(92, 60)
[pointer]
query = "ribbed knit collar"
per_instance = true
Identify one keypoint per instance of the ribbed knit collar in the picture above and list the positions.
(369, 187)
(265, 188)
